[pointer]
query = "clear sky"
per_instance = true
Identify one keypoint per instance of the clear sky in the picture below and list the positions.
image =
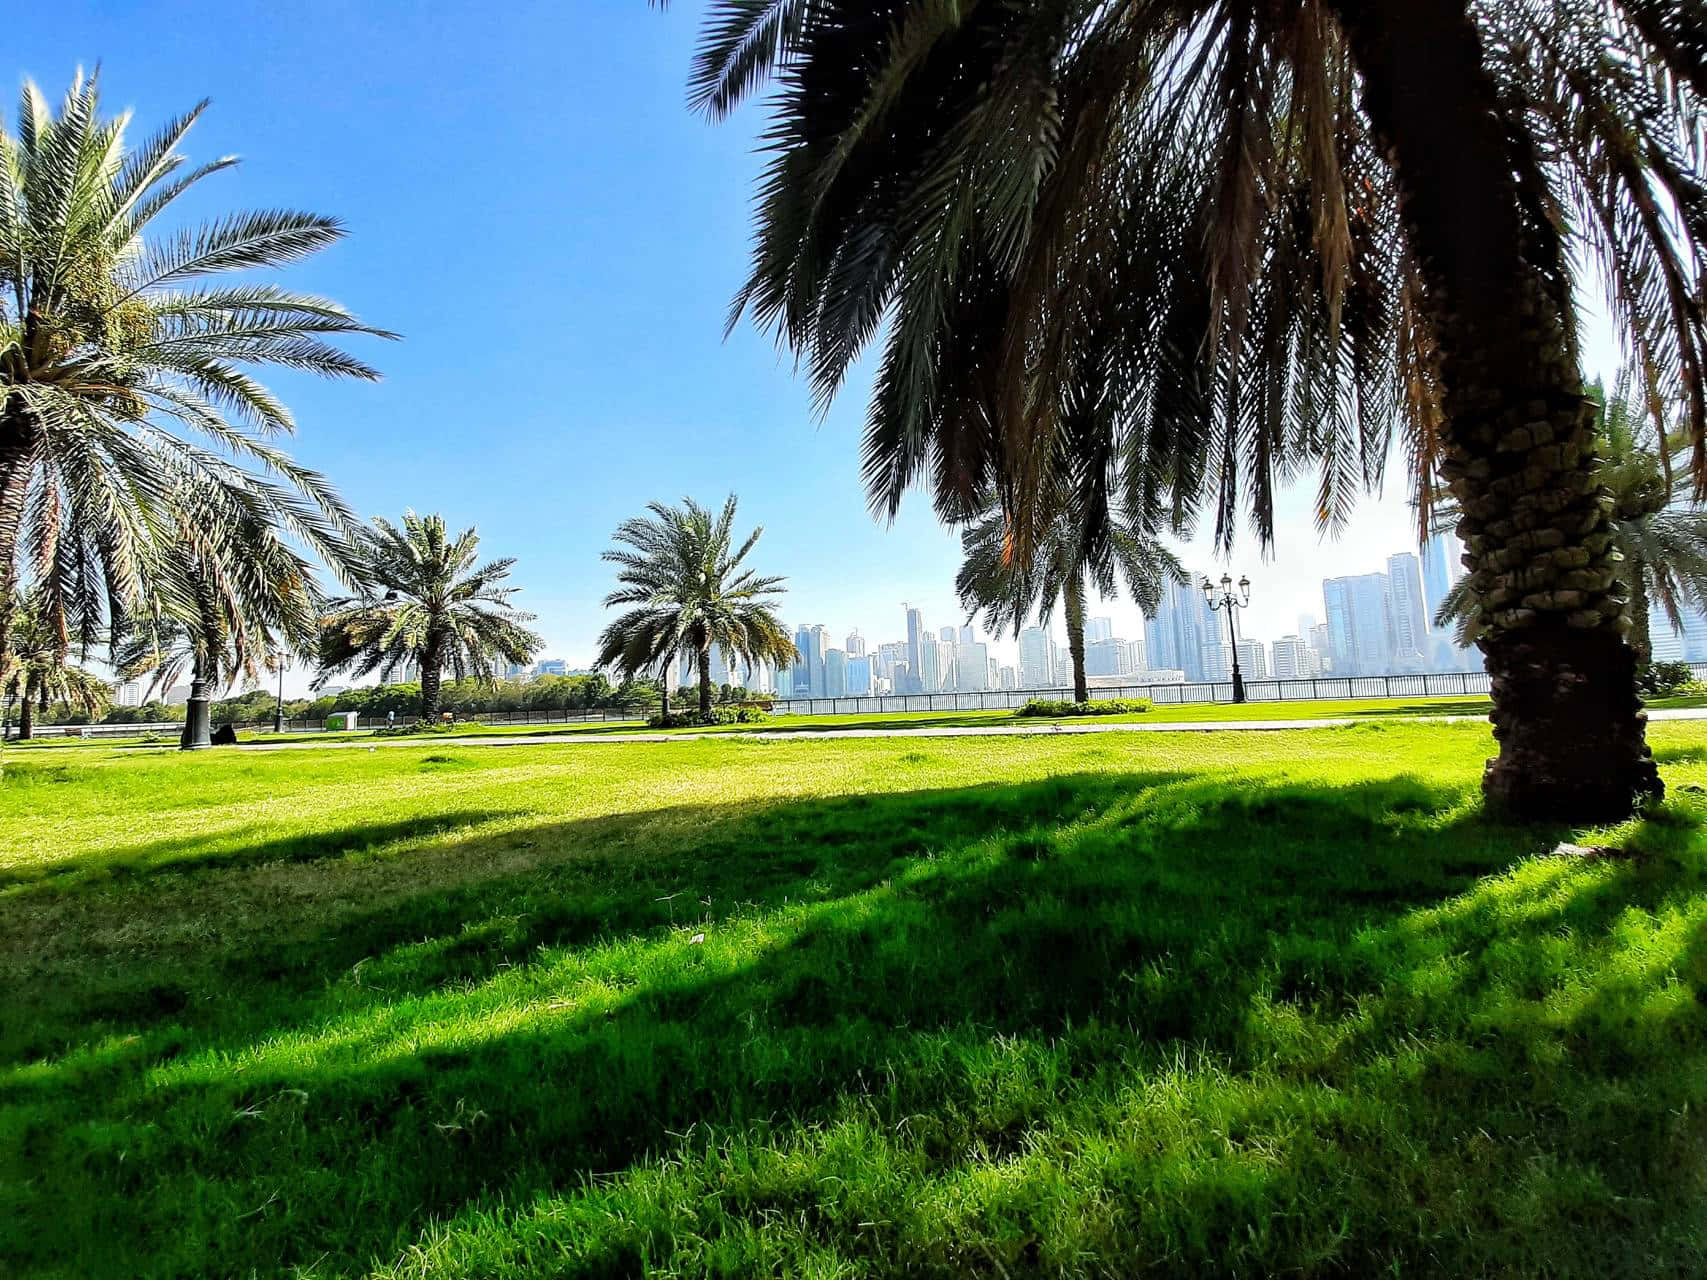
(531, 205)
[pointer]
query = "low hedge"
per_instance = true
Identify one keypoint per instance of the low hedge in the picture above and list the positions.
(718, 715)
(1104, 707)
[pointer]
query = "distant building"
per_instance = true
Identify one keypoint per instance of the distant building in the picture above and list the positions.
(1098, 629)
(971, 665)
(1294, 659)
(835, 674)
(545, 667)
(856, 644)
(861, 675)
(1007, 678)
(1358, 623)
(1184, 634)
(914, 679)
(1407, 614)
(1253, 662)
(128, 694)
(1036, 669)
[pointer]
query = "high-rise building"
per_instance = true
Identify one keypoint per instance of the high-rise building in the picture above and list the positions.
(1358, 624)
(820, 647)
(892, 659)
(783, 684)
(1036, 670)
(1253, 662)
(1098, 629)
(1321, 644)
(1672, 645)
(1407, 614)
(1182, 632)
(928, 677)
(915, 651)
(1294, 659)
(1109, 657)
(971, 666)
(801, 681)
(128, 694)
(835, 673)
(861, 678)
(1007, 678)
(856, 644)
(967, 635)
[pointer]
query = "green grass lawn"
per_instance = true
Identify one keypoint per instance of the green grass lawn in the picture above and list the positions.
(1232, 1004)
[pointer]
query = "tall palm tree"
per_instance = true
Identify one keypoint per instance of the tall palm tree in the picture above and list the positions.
(440, 608)
(118, 355)
(1658, 527)
(682, 571)
(1261, 233)
(1009, 591)
(36, 675)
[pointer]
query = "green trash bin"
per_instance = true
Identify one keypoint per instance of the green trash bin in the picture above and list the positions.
(341, 720)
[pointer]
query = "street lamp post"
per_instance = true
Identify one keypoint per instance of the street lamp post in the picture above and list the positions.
(1229, 601)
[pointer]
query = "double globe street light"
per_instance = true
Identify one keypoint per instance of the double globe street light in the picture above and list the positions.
(1230, 601)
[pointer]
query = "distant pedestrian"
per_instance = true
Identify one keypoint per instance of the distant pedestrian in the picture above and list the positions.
(391, 719)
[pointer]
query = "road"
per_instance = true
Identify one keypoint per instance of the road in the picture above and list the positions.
(923, 731)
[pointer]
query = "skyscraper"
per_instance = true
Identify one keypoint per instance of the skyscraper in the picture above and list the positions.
(800, 679)
(971, 666)
(915, 651)
(1437, 574)
(967, 635)
(1253, 662)
(1184, 627)
(835, 673)
(860, 679)
(1358, 624)
(928, 677)
(1294, 659)
(856, 644)
(1408, 615)
(1035, 669)
(1098, 629)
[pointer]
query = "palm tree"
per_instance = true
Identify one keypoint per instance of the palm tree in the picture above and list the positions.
(681, 570)
(1009, 591)
(230, 591)
(36, 675)
(1658, 528)
(111, 337)
(440, 608)
(1260, 234)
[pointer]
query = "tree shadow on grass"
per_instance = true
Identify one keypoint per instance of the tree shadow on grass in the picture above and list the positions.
(885, 955)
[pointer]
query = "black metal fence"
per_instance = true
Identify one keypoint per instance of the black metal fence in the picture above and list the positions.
(1453, 684)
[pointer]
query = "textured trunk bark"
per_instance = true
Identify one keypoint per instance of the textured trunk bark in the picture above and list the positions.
(27, 716)
(1640, 638)
(1074, 605)
(432, 659)
(1517, 440)
(705, 681)
(17, 457)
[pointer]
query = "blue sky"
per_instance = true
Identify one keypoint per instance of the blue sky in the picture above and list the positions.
(556, 237)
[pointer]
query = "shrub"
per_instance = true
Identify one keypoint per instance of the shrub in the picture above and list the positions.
(717, 715)
(1662, 679)
(424, 726)
(1105, 707)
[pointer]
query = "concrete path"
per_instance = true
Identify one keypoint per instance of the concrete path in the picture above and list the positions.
(922, 731)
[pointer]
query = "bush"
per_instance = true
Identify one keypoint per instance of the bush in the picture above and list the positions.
(1106, 707)
(1662, 679)
(717, 715)
(425, 726)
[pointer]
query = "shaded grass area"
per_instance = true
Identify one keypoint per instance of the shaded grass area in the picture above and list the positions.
(1240, 1005)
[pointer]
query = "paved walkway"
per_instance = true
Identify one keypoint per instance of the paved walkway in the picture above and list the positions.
(922, 731)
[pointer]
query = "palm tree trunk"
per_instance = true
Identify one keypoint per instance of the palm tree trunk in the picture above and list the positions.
(1074, 605)
(17, 454)
(27, 715)
(1517, 441)
(432, 659)
(1640, 638)
(705, 681)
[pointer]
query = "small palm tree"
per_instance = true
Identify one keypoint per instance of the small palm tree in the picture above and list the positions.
(230, 591)
(439, 608)
(1658, 528)
(109, 338)
(681, 570)
(1009, 590)
(36, 675)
